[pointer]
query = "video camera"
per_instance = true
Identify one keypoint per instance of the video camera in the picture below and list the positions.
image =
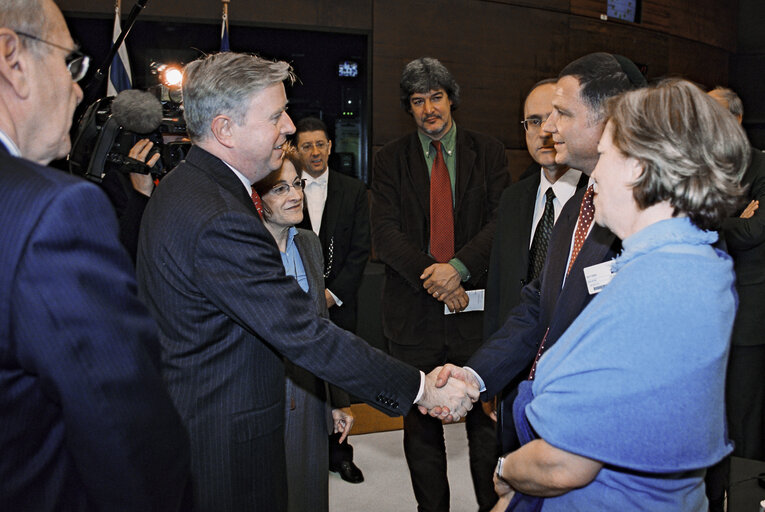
(111, 126)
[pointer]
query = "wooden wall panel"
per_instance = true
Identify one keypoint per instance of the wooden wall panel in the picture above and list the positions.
(710, 21)
(495, 51)
(315, 14)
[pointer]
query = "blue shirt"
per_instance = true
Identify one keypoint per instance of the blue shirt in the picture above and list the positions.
(293, 264)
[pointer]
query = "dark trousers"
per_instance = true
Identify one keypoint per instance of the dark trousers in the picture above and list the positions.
(426, 456)
(338, 452)
(745, 407)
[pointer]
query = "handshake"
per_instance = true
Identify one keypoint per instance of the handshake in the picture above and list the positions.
(449, 393)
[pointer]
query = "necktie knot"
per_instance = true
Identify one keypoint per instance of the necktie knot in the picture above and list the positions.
(549, 195)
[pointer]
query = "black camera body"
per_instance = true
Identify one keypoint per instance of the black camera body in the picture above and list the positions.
(103, 141)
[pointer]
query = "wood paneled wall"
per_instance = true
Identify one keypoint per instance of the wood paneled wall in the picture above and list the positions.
(495, 48)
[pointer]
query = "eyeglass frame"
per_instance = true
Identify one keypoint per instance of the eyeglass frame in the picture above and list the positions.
(284, 188)
(73, 56)
(307, 146)
(533, 120)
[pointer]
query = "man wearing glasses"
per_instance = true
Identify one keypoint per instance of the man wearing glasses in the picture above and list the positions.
(86, 421)
(336, 209)
(527, 212)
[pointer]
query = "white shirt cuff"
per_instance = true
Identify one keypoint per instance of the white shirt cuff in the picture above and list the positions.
(482, 386)
(422, 387)
(337, 300)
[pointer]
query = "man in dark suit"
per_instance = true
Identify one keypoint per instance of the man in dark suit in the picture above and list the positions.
(527, 211)
(336, 209)
(213, 278)
(86, 421)
(434, 195)
(744, 236)
(551, 302)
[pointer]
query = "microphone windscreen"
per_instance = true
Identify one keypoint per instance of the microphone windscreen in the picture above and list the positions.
(137, 111)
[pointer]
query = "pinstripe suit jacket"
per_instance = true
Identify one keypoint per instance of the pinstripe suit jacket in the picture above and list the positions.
(545, 302)
(85, 421)
(211, 275)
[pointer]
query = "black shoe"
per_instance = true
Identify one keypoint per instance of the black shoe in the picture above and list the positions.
(348, 472)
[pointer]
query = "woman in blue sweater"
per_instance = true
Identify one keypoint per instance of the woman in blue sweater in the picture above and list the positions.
(626, 410)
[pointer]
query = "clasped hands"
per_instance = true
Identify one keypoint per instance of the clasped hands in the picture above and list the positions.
(449, 393)
(442, 281)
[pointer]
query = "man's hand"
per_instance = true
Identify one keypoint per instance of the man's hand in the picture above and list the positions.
(343, 421)
(449, 371)
(750, 209)
(457, 300)
(329, 298)
(143, 183)
(440, 279)
(453, 398)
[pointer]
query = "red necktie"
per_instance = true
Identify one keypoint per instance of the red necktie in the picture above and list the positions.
(441, 214)
(586, 213)
(258, 203)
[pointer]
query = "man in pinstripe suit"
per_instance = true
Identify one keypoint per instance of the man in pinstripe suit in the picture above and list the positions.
(212, 276)
(85, 421)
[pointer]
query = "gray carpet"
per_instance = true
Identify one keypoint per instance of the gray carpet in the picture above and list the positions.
(387, 487)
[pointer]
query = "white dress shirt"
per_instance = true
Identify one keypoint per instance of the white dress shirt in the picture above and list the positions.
(316, 196)
(11, 146)
(564, 189)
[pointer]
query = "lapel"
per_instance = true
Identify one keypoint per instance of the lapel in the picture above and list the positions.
(308, 259)
(526, 202)
(560, 244)
(417, 173)
(465, 159)
(331, 208)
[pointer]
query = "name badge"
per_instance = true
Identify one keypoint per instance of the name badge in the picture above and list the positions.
(598, 276)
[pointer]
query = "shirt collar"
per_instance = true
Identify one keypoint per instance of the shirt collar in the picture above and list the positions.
(448, 141)
(247, 183)
(11, 146)
(322, 180)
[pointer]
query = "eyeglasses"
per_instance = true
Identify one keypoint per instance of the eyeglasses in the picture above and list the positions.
(76, 62)
(533, 124)
(284, 188)
(320, 145)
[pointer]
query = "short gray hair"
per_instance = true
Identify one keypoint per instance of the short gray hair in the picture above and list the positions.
(693, 153)
(222, 83)
(735, 105)
(427, 74)
(28, 16)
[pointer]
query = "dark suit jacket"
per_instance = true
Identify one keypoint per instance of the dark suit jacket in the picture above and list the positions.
(401, 234)
(509, 263)
(85, 420)
(344, 236)
(212, 276)
(544, 304)
(745, 240)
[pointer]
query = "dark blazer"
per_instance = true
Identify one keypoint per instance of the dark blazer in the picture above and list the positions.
(401, 233)
(212, 276)
(545, 303)
(86, 422)
(745, 240)
(345, 239)
(509, 263)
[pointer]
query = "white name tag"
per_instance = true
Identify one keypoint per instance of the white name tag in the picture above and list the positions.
(598, 276)
(475, 302)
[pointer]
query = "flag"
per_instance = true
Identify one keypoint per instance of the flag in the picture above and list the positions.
(224, 47)
(119, 71)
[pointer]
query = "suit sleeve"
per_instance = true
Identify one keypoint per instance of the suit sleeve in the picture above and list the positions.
(82, 330)
(238, 269)
(346, 283)
(475, 254)
(392, 246)
(511, 348)
(742, 234)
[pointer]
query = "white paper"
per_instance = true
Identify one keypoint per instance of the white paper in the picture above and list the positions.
(475, 302)
(598, 276)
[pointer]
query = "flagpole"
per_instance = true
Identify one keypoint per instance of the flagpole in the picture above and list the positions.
(224, 42)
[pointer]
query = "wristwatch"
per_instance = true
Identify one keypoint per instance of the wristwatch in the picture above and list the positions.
(500, 462)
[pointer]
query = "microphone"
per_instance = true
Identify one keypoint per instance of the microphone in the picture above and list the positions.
(137, 111)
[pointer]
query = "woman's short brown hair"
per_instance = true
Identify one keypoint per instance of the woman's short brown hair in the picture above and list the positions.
(693, 152)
